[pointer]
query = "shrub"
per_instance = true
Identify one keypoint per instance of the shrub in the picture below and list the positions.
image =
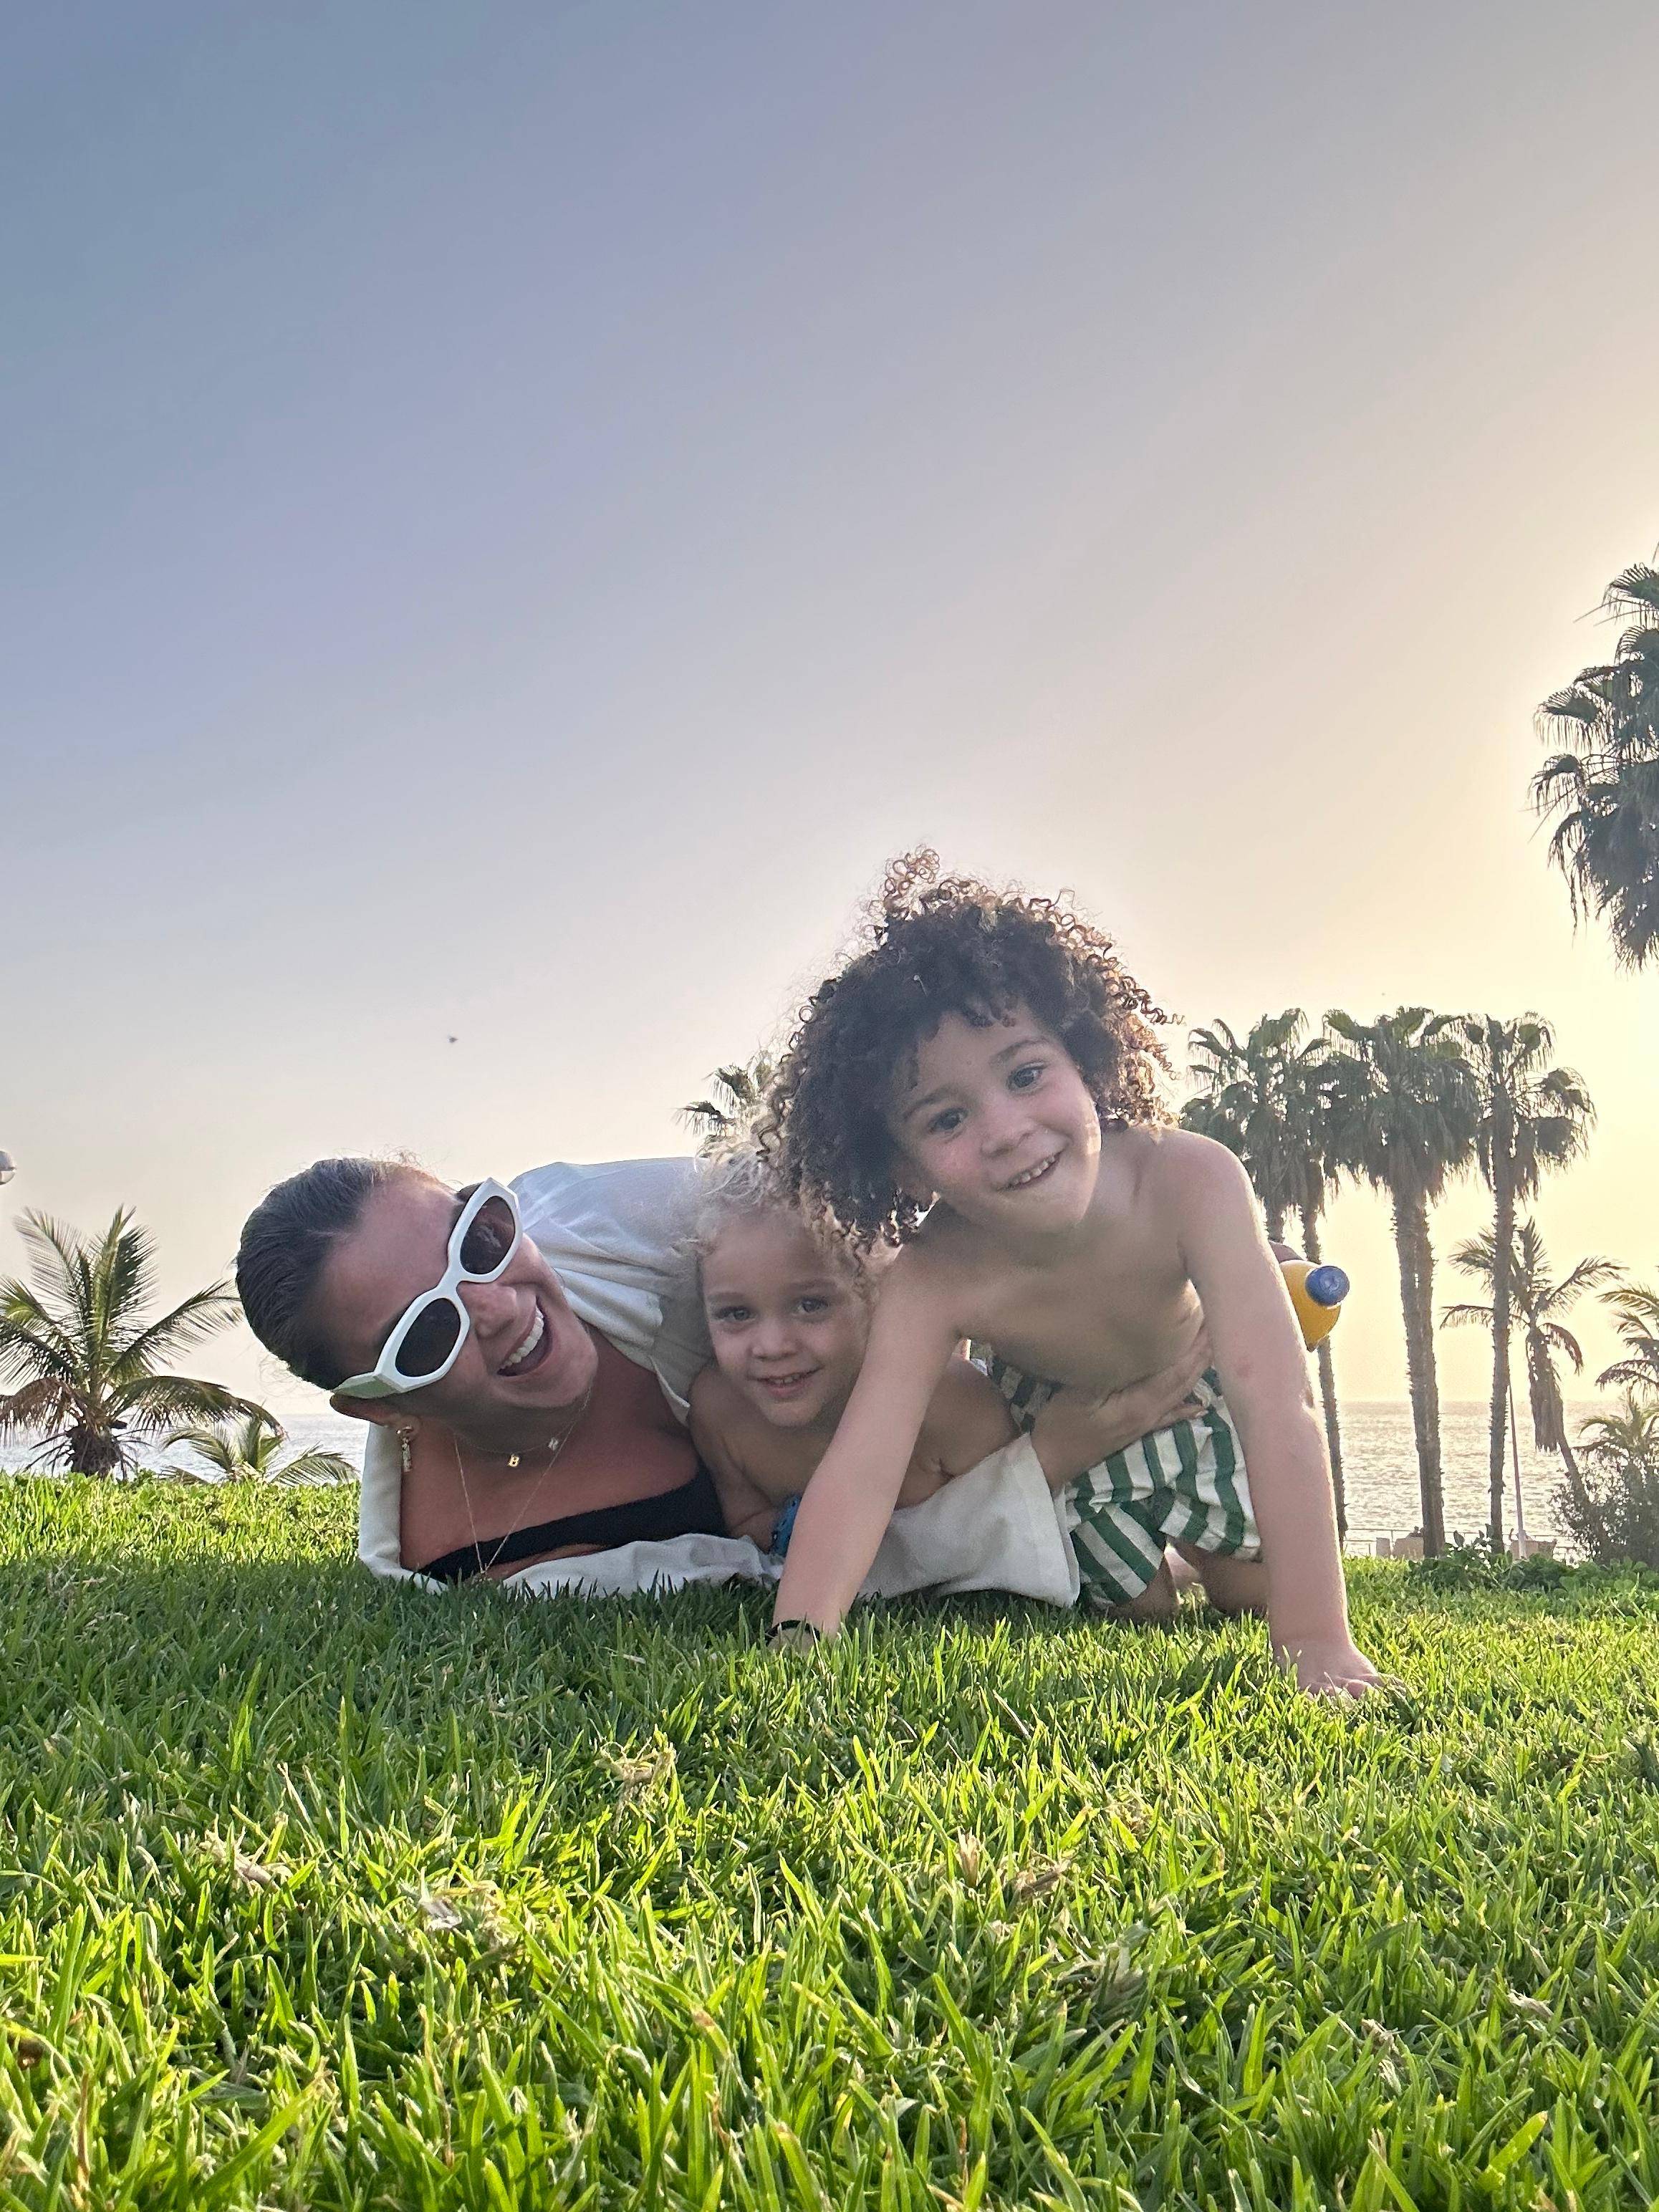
(1475, 1565)
(1614, 1519)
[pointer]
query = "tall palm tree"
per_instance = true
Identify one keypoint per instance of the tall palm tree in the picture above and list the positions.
(1404, 1114)
(1532, 1116)
(1268, 1098)
(1537, 1301)
(1604, 789)
(1636, 1315)
(246, 1452)
(737, 1093)
(87, 1358)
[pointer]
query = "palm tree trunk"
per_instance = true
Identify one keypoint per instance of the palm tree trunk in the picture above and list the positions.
(1409, 1242)
(1430, 1374)
(1568, 1460)
(1503, 1262)
(1327, 1382)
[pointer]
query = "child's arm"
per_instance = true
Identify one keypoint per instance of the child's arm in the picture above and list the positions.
(744, 1507)
(1078, 1428)
(1263, 1368)
(849, 1501)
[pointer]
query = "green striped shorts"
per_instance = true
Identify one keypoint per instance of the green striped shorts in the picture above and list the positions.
(1185, 1485)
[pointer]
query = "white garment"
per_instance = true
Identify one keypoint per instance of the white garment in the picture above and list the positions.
(618, 1237)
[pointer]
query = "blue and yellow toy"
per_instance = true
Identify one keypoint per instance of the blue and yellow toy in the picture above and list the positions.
(1316, 1292)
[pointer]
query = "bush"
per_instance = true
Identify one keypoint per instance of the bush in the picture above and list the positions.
(1616, 1520)
(1474, 1564)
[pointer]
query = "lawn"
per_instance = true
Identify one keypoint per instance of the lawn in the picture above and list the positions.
(318, 1894)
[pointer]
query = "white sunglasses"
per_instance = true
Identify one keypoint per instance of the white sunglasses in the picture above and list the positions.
(426, 1342)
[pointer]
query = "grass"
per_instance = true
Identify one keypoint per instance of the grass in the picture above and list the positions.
(318, 1894)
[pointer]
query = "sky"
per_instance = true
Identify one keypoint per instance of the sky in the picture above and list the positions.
(514, 514)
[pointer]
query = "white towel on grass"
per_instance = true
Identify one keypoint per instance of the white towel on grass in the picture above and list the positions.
(998, 1527)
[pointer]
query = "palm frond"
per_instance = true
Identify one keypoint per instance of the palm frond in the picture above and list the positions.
(37, 1408)
(191, 1322)
(307, 1468)
(1466, 1317)
(162, 1400)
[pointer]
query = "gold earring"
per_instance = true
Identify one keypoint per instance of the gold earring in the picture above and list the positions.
(403, 1435)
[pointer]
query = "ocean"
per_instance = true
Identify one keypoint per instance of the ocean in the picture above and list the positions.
(1379, 1460)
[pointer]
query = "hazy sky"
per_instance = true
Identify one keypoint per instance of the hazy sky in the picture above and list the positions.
(511, 513)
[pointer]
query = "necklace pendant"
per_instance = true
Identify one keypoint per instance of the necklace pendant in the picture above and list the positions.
(513, 1459)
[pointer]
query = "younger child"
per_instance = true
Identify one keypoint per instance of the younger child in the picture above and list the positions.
(980, 1088)
(789, 1311)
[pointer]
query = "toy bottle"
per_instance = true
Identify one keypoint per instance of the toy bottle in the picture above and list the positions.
(1317, 1293)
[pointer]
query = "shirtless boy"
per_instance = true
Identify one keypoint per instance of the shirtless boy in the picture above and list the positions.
(980, 1088)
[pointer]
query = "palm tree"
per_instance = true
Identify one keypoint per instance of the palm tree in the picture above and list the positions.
(1532, 1116)
(1636, 1314)
(1243, 1101)
(1634, 1431)
(1537, 1301)
(1403, 1118)
(87, 1358)
(1614, 1516)
(739, 1093)
(1267, 1099)
(1604, 789)
(247, 1453)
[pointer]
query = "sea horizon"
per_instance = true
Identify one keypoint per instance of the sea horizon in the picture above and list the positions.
(1378, 1451)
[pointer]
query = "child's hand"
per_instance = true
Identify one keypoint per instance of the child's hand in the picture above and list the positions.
(1334, 1669)
(1078, 1428)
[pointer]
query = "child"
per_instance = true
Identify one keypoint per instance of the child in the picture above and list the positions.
(980, 1088)
(788, 1308)
(789, 1312)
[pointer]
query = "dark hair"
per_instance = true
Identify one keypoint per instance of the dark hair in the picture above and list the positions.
(942, 944)
(285, 1241)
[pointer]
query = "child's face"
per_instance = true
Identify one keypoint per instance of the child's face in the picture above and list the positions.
(788, 1326)
(1000, 1125)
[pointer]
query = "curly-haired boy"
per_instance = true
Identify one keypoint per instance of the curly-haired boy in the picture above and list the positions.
(979, 1086)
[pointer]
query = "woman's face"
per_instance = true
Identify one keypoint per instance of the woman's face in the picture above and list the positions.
(788, 1325)
(526, 1357)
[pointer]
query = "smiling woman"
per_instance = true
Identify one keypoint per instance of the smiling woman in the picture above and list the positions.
(537, 1414)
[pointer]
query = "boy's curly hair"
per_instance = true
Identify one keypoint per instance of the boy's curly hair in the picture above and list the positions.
(943, 945)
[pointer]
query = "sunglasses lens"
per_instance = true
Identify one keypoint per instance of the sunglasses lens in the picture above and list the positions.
(489, 1238)
(430, 1342)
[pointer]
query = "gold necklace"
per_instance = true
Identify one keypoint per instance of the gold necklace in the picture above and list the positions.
(555, 1446)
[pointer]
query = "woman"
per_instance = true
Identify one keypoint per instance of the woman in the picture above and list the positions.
(527, 1390)
(525, 1356)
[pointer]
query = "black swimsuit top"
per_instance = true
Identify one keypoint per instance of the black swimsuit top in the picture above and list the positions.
(692, 1510)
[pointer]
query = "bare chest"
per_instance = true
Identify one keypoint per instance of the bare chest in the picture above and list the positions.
(1102, 1320)
(781, 1462)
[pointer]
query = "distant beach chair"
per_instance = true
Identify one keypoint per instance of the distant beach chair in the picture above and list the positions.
(1398, 1547)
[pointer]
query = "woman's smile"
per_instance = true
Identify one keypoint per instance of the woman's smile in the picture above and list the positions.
(531, 1350)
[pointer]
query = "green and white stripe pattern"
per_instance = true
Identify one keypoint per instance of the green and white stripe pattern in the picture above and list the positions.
(1185, 1484)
